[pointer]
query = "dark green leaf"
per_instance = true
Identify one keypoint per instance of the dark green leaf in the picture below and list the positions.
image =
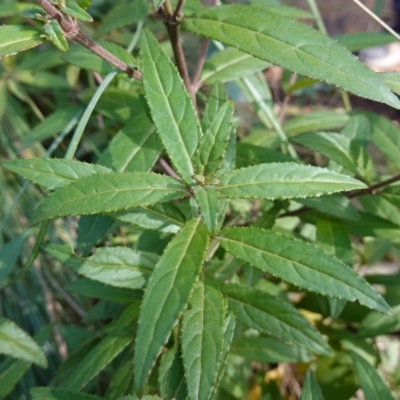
(376, 324)
(176, 387)
(217, 98)
(371, 383)
(269, 350)
(171, 107)
(115, 266)
(56, 394)
(202, 339)
(16, 343)
(311, 390)
(109, 192)
(301, 264)
(53, 173)
(284, 181)
(209, 203)
(136, 147)
(274, 317)
(16, 38)
(300, 49)
(161, 217)
(167, 293)
(363, 40)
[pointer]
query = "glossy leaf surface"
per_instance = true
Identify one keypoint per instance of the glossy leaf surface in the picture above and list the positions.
(301, 264)
(115, 266)
(274, 317)
(167, 294)
(202, 339)
(52, 173)
(109, 192)
(171, 107)
(284, 181)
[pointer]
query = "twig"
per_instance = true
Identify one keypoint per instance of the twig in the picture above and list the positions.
(376, 18)
(350, 195)
(200, 64)
(72, 32)
(167, 168)
(178, 9)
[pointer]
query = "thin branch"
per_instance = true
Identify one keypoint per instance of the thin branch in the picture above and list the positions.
(351, 195)
(177, 13)
(72, 32)
(200, 64)
(167, 168)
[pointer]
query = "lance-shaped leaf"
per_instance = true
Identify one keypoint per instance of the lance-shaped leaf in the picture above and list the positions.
(217, 98)
(55, 34)
(136, 147)
(209, 203)
(115, 266)
(371, 383)
(311, 389)
(42, 393)
(301, 264)
(98, 358)
(109, 192)
(160, 217)
(264, 34)
(230, 64)
(176, 386)
(74, 10)
(284, 181)
(167, 294)
(14, 342)
(15, 38)
(202, 339)
(376, 324)
(213, 145)
(171, 107)
(391, 80)
(269, 350)
(274, 317)
(52, 173)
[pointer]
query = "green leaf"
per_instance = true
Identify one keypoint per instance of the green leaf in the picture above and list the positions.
(97, 290)
(202, 339)
(136, 147)
(16, 343)
(362, 40)
(311, 389)
(83, 3)
(115, 266)
(171, 107)
(301, 264)
(109, 192)
(97, 359)
(209, 203)
(57, 394)
(274, 317)
(217, 98)
(157, 4)
(176, 387)
(16, 38)
(283, 181)
(336, 205)
(10, 252)
(91, 228)
(212, 146)
(358, 128)
(74, 10)
(167, 293)
(376, 324)
(301, 49)
(53, 173)
(52, 125)
(341, 149)
(269, 350)
(123, 14)
(229, 65)
(391, 80)
(56, 35)
(315, 121)
(161, 217)
(371, 383)
(248, 154)
(386, 137)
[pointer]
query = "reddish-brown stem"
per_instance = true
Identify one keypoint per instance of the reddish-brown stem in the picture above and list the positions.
(200, 64)
(72, 32)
